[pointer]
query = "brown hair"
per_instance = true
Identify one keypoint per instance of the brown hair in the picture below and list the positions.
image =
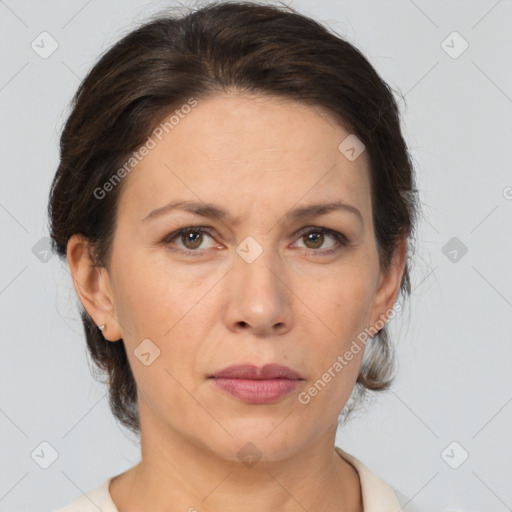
(248, 47)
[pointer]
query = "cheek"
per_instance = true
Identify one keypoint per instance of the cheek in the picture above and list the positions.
(342, 306)
(342, 303)
(149, 299)
(160, 310)
(166, 307)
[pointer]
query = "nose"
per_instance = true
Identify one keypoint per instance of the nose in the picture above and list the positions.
(258, 298)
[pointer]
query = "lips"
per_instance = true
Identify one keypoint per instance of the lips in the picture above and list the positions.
(257, 385)
(248, 371)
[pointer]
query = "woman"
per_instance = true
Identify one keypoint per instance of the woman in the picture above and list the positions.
(235, 201)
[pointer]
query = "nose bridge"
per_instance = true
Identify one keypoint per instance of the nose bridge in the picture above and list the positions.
(258, 266)
(259, 298)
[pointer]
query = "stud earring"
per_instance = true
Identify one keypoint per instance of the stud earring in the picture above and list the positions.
(102, 327)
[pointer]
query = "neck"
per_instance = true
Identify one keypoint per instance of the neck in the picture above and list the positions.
(178, 474)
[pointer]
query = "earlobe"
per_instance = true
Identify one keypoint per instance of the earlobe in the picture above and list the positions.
(92, 285)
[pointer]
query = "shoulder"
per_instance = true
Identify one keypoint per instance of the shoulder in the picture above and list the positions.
(92, 501)
(377, 494)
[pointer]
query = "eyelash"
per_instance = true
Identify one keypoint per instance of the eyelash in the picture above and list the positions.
(340, 238)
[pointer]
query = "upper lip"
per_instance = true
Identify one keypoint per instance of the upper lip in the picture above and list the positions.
(249, 371)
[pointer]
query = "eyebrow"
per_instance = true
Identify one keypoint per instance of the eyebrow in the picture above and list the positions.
(213, 211)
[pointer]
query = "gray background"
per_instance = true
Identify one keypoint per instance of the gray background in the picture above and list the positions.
(455, 351)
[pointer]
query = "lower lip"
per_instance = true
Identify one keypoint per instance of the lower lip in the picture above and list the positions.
(257, 391)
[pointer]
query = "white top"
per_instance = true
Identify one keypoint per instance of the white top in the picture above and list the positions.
(377, 495)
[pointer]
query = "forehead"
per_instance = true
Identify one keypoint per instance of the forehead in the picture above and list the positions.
(246, 152)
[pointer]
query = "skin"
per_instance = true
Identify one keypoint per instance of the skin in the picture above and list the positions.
(258, 157)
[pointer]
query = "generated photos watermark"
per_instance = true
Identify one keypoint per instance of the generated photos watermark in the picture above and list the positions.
(337, 366)
(156, 136)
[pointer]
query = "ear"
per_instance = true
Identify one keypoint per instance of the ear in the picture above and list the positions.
(92, 284)
(389, 284)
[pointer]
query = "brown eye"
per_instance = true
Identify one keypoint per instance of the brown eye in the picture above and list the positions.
(315, 238)
(189, 240)
(193, 238)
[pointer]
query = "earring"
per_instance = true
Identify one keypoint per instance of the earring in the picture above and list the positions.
(102, 327)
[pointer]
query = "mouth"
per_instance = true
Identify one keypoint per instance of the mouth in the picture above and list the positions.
(250, 371)
(257, 385)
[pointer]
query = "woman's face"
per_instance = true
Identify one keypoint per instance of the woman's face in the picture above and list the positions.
(261, 285)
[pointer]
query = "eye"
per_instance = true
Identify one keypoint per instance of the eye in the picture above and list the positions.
(315, 236)
(191, 237)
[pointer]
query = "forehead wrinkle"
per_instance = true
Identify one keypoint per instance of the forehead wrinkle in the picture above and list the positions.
(212, 211)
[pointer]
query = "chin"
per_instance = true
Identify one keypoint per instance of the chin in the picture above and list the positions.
(254, 441)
